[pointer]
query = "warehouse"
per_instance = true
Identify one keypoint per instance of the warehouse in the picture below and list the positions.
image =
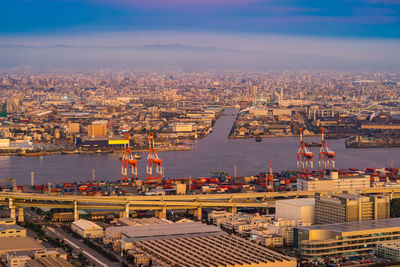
(102, 142)
(87, 229)
(12, 230)
(10, 244)
(199, 244)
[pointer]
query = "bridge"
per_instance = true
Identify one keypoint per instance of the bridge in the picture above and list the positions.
(160, 204)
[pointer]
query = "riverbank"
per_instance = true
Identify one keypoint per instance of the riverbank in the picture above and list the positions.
(85, 152)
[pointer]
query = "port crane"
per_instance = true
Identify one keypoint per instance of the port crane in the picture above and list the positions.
(153, 161)
(304, 157)
(270, 179)
(326, 156)
(128, 162)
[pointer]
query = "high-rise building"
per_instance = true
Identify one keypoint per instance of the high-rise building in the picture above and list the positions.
(97, 128)
(253, 90)
(346, 207)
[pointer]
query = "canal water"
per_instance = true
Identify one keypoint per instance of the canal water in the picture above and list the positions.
(213, 153)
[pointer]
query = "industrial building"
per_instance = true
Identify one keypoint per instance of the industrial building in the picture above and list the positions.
(334, 182)
(345, 207)
(11, 230)
(345, 239)
(87, 229)
(296, 209)
(12, 244)
(38, 258)
(200, 245)
(102, 142)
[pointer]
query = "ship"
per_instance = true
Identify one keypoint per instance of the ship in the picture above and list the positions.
(137, 156)
(258, 139)
(71, 152)
(371, 142)
(32, 154)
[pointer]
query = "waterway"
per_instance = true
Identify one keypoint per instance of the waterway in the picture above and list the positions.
(214, 152)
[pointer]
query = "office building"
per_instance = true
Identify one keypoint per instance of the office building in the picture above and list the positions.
(346, 207)
(345, 239)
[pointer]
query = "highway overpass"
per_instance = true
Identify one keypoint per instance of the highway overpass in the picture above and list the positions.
(163, 203)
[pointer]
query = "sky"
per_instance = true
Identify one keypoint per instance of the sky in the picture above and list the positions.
(347, 29)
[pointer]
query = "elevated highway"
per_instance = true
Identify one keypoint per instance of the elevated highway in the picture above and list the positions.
(163, 203)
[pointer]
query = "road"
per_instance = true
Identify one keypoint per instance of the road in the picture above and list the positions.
(77, 244)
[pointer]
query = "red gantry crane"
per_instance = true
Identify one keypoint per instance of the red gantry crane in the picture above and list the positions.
(153, 161)
(270, 179)
(326, 156)
(304, 157)
(128, 161)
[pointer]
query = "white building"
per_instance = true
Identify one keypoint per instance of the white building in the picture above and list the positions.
(183, 127)
(87, 229)
(334, 182)
(296, 209)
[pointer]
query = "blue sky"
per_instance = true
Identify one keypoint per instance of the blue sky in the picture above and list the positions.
(324, 18)
(337, 31)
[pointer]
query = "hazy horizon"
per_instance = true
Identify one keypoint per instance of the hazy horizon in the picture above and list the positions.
(220, 34)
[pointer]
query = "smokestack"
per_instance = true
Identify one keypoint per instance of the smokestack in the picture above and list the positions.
(32, 179)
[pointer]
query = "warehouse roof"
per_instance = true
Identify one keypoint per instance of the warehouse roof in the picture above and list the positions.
(164, 230)
(212, 250)
(18, 244)
(5, 227)
(85, 224)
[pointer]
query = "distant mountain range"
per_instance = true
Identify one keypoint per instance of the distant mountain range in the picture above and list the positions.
(175, 58)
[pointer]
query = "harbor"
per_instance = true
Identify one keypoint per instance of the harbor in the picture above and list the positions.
(214, 152)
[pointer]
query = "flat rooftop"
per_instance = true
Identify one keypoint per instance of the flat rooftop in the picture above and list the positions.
(298, 201)
(164, 230)
(356, 226)
(143, 221)
(5, 227)
(18, 244)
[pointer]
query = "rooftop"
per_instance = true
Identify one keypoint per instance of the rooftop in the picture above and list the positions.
(356, 226)
(5, 227)
(85, 224)
(212, 250)
(164, 230)
(18, 244)
(298, 201)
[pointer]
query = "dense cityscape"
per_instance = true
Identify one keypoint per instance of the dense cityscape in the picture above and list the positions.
(308, 215)
(199, 133)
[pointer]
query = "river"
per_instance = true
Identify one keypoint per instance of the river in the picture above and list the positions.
(214, 152)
